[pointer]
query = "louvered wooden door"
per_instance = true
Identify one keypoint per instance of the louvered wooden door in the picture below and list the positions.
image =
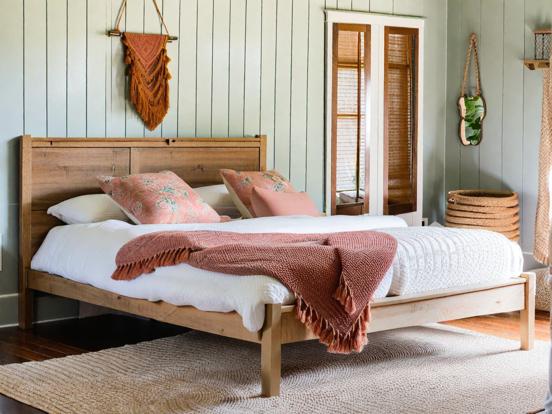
(374, 120)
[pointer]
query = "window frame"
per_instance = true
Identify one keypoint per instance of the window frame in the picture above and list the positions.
(336, 27)
(375, 113)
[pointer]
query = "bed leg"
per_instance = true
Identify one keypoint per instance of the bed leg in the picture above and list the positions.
(527, 315)
(26, 308)
(271, 348)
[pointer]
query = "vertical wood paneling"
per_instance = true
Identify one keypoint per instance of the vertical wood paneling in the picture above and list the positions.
(251, 115)
(221, 66)
(268, 71)
(344, 4)
(299, 67)
(434, 109)
(492, 58)
(455, 56)
(407, 7)
(35, 67)
(508, 155)
(171, 13)
(237, 66)
(381, 6)
(11, 108)
(76, 69)
(108, 24)
(283, 86)
(361, 5)
(187, 68)
(314, 171)
(96, 68)
(152, 24)
(204, 67)
(117, 75)
(56, 70)
(512, 90)
(537, 12)
(134, 23)
(469, 156)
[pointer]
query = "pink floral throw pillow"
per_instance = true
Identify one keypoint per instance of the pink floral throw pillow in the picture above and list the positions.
(240, 185)
(158, 198)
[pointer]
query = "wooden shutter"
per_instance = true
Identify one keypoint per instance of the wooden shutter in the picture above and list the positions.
(350, 71)
(400, 129)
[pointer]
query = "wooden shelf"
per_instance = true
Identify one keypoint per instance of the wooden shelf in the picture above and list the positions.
(533, 64)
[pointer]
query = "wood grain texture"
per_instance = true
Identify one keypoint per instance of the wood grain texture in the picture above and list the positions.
(527, 315)
(25, 301)
(55, 169)
(271, 351)
(225, 324)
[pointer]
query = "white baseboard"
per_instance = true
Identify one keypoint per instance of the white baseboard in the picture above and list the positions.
(48, 309)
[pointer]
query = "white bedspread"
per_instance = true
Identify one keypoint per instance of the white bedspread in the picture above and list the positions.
(86, 253)
(427, 258)
(430, 258)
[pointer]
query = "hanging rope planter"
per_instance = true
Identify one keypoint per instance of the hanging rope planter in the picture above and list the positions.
(147, 60)
(472, 108)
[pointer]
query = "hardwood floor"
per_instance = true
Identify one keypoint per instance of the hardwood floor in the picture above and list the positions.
(75, 336)
(505, 325)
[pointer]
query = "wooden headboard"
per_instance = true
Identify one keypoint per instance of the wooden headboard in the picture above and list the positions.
(55, 169)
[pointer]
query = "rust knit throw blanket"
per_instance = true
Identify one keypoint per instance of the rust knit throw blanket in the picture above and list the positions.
(333, 276)
(146, 55)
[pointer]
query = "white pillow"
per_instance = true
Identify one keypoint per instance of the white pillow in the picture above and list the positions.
(90, 208)
(218, 197)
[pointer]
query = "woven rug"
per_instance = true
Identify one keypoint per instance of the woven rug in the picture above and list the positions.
(430, 369)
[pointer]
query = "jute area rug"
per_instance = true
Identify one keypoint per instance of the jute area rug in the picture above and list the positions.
(432, 369)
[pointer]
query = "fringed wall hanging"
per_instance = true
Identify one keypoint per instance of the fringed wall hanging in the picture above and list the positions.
(147, 60)
(472, 108)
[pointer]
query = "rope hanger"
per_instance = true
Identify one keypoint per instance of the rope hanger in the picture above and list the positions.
(117, 32)
(472, 46)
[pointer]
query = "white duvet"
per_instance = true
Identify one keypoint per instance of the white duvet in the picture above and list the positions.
(427, 259)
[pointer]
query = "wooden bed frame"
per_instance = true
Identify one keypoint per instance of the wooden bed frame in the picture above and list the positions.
(53, 170)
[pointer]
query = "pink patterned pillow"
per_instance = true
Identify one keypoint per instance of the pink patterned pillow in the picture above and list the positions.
(158, 198)
(240, 184)
(266, 203)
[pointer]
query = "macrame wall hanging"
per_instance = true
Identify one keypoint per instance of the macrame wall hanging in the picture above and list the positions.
(472, 107)
(147, 60)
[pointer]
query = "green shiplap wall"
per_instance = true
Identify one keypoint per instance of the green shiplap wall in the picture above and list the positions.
(508, 155)
(240, 67)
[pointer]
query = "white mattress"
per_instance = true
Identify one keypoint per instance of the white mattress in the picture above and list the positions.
(86, 253)
(427, 258)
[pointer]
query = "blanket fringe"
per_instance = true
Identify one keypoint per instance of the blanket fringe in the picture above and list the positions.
(344, 296)
(129, 271)
(337, 343)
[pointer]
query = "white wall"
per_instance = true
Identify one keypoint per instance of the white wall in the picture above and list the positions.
(240, 67)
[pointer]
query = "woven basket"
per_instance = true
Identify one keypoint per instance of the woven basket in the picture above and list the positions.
(481, 209)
